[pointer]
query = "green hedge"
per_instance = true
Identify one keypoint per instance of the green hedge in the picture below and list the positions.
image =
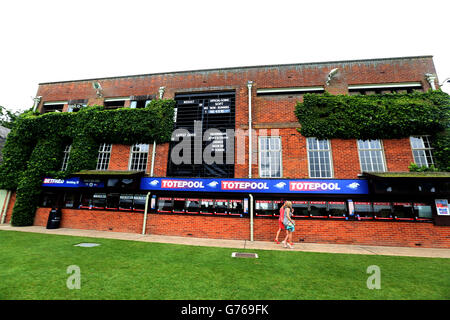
(34, 148)
(379, 116)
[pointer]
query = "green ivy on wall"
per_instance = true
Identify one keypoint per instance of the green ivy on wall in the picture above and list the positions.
(34, 148)
(379, 116)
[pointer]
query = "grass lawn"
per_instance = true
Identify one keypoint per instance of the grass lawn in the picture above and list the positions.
(34, 266)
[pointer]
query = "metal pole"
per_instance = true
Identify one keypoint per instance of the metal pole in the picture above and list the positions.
(153, 159)
(250, 146)
(144, 224)
(251, 217)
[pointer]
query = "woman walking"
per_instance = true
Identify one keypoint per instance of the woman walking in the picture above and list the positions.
(289, 224)
(280, 223)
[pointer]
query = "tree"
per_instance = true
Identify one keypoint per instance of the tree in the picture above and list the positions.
(8, 117)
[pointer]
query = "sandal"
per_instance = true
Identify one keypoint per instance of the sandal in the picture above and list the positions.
(278, 242)
(284, 244)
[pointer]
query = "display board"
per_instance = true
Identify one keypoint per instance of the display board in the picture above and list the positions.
(206, 119)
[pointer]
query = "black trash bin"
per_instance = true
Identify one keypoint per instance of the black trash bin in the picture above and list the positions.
(54, 219)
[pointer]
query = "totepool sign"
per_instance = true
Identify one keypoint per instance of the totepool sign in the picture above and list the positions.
(256, 185)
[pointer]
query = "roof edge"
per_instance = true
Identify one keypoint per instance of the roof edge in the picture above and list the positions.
(242, 67)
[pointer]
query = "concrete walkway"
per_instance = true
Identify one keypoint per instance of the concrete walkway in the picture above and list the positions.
(241, 244)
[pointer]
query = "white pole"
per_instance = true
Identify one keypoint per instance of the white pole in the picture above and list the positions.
(144, 224)
(251, 217)
(250, 147)
(153, 159)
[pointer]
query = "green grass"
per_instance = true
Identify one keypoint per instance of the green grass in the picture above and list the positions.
(34, 266)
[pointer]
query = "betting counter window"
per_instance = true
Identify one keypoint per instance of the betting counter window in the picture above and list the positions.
(228, 207)
(178, 205)
(264, 208)
(49, 199)
(337, 209)
(192, 205)
(300, 208)
(99, 201)
(207, 206)
(318, 209)
(126, 202)
(165, 205)
(403, 210)
(71, 199)
(382, 210)
(423, 211)
(236, 207)
(363, 210)
(221, 207)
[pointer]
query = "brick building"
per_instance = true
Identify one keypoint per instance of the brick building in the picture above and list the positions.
(334, 184)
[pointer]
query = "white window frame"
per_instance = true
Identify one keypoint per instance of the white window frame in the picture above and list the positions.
(66, 157)
(330, 153)
(383, 158)
(280, 151)
(132, 153)
(425, 149)
(104, 153)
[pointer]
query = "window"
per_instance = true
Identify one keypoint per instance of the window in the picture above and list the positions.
(264, 208)
(403, 210)
(423, 211)
(192, 205)
(115, 103)
(368, 89)
(66, 157)
(270, 157)
(138, 158)
(363, 209)
(319, 158)
(371, 156)
(76, 105)
(49, 199)
(318, 208)
(53, 107)
(139, 103)
(337, 208)
(300, 208)
(382, 210)
(104, 154)
(164, 205)
(421, 149)
(99, 201)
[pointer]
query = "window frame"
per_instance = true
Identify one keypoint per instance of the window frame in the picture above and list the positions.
(130, 162)
(260, 151)
(383, 157)
(66, 157)
(330, 153)
(425, 149)
(102, 155)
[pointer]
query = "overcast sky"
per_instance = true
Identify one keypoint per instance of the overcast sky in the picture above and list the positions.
(46, 41)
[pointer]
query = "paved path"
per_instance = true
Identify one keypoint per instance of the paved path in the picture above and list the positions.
(241, 244)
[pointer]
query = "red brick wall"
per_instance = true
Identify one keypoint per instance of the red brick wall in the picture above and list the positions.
(94, 220)
(402, 234)
(120, 155)
(398, 154)
(199, 226)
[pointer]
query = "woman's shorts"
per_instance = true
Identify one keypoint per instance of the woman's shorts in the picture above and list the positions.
(281, 225)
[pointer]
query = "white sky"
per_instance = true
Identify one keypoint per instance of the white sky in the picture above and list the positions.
(46, 41)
